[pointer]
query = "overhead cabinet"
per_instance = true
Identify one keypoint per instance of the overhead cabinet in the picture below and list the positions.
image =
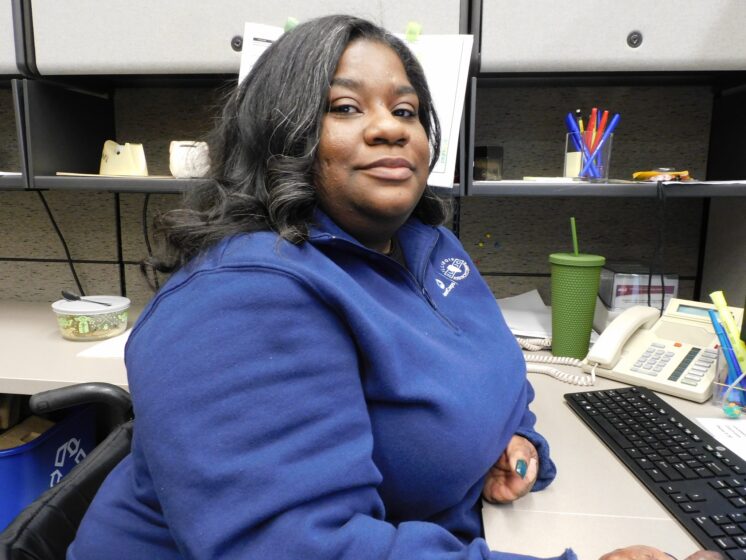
(12, 159)
(612, 36)
(90, 37)
(7, 45)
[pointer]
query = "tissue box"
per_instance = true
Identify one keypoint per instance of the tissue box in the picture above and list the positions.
(624, 285)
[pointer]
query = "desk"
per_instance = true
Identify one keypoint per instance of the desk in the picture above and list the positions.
(35, 357)
(595, 504)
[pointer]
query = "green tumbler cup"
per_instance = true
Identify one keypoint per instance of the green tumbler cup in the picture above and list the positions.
(574, 287)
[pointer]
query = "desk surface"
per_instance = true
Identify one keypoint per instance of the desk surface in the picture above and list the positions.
(35, 357)
(595, 504)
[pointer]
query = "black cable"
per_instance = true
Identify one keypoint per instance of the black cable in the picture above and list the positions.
(657, 262)
(64, 244)
(120, 249)
(147, 237)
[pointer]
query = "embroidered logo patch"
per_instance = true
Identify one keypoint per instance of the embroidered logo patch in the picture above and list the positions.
(454, 269)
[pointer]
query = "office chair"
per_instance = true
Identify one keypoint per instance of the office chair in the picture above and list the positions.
(45, 528)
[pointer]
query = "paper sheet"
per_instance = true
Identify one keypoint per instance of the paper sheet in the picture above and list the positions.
(728, 431)
(445, 60)
(109, 348)
(256, 38)
(527, 315)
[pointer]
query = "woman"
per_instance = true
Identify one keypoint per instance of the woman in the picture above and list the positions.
(325, 376)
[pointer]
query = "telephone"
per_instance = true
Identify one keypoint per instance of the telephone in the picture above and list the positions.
(675, 353)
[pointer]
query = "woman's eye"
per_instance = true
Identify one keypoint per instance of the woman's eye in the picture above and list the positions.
(405, 112)
(346, 109)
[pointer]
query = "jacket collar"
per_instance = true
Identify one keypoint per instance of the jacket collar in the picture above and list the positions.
(417, 240)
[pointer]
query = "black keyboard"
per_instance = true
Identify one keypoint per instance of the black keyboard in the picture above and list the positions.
(698, 480)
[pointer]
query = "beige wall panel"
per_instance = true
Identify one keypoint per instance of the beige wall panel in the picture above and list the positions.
(524, 231)
(138, 289)
(9, 159)
(134, 247)
(86, 220)
(43, 282)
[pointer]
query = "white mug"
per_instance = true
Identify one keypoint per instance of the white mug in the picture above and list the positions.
(188, 158)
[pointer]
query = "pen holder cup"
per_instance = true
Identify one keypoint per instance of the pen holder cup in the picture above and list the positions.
(731, 400)
(587, 157)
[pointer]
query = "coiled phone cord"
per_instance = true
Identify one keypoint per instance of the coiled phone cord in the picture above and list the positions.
(534, 362)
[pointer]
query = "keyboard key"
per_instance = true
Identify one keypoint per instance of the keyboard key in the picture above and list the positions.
(736, 554)
(738, 502)
(725, 543)
(732, 530)
(710, 528)
(657, 475)
(737, 517)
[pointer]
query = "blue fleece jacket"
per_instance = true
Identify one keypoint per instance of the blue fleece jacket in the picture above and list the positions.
(312, 402)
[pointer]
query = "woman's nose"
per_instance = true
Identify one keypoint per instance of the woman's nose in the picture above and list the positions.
(386, 128)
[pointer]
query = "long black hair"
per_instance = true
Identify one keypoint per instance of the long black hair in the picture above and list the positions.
(264, 146)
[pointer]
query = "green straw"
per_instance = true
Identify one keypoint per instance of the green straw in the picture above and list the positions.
(574, 236)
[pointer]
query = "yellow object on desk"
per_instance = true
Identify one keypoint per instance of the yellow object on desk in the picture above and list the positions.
(669, 174)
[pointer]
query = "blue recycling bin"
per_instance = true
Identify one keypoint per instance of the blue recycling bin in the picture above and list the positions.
(28, 470)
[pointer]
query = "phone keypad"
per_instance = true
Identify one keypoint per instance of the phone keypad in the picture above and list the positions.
(690, 370)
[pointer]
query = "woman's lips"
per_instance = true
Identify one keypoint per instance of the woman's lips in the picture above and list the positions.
(390, 169)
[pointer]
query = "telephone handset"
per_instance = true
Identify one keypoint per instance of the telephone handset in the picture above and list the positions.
(675, 353)
(608, 348)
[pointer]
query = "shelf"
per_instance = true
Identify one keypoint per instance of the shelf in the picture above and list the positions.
(690, 189)
(12, 182)
(116, 184)
(136, 184)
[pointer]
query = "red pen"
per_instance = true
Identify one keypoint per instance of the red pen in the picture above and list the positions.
(590, 131)
(601, 128)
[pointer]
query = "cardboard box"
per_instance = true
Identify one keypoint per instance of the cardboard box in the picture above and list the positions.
(25, 431)
(624, 285)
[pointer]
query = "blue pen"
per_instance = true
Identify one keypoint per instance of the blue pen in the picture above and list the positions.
(577, 140)
(734, 369)
(607, 133)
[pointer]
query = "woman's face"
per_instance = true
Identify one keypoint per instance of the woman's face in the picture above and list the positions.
(373, 155)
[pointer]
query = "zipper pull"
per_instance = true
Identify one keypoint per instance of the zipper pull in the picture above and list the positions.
(428, 298)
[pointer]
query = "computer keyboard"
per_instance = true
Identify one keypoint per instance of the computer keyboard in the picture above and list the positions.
(699, 481)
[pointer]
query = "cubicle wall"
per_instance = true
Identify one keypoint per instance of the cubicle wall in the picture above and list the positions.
(7, 46)
(11, 159)
(612, 36)
(178, 37)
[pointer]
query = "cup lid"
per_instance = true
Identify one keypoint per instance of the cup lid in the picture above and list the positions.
(82, 307)
(581, 259)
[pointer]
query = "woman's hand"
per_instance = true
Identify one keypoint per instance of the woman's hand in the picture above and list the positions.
(639, 552)
(514, 474)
